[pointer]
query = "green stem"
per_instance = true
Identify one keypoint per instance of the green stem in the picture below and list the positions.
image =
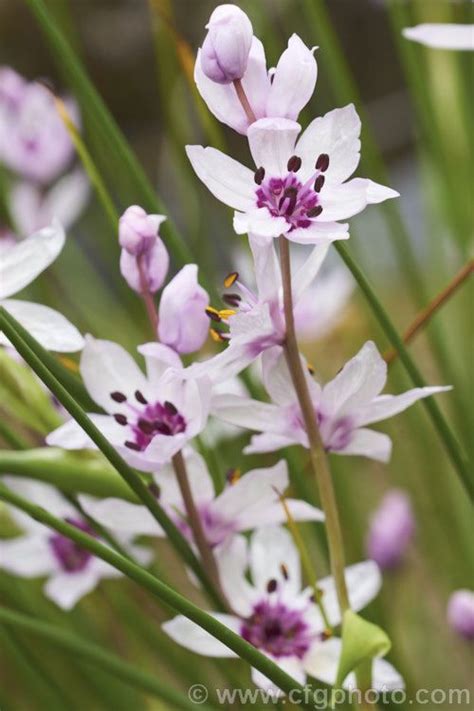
(27, 348)
(317, 453)
(450, 442)
(12, 438)
(163, 592)
(97, 656)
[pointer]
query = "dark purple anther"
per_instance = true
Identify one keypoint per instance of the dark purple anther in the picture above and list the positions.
(323, 162)
(315, 211)
(118, 397)
(259, 175)
(318, 183)
(294, 164)
(140, 397)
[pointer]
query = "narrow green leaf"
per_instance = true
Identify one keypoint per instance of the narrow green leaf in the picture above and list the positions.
(361, 642)
(163, 592)
(450, 442)
(97, 656)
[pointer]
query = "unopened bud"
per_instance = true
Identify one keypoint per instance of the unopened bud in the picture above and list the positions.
(146, 271)
(225, 50)
(461, 613)
(183, 324)
(138, 229)
(392, 528)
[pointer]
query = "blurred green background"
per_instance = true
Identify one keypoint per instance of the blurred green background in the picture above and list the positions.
(416, 106)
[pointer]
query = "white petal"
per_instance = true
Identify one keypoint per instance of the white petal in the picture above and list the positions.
(336, 134)
(360, 380)
(199, 478)
(389, 405)
(367, 443)
(121, 515)
(41, 494)
(232, 561)
(227, 179)
(189, 635)
(385, 677)
(26, 556)
(375, 192)
(67, 198)
(271, 551)
(270, 442)
(246, 500)
(321, 307)
(339, 202)
(291, 665)
(305, 275)
(246, 413)
(322, 660)
(23, 262)
(363, 581)
(72, 436)
(293, 81)
(319, 233)
(261, 222)
(272, 143)
(50, 328)
(66, 589)
(267, 268)
(222, 99)
(277, 380)
(158, 359)
(442, 36)
(106, 367)
(302, 511)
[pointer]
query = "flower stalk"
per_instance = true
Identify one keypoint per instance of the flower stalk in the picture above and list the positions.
(147, 297)
(244, 100)
(318, 457)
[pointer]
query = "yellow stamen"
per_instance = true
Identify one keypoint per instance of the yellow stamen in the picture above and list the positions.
(225, 313)
(233, 475)
(215, 335)
(231, 279)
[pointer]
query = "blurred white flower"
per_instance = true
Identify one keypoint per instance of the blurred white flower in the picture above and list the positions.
(442, 36)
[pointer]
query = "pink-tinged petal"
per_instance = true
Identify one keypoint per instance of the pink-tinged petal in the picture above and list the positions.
(442, 35)
(245, 501)
(272, 143)
(121, 515)
(277, 379)
(188, 634)
(360, 380)
(367, 443)
(293, 81)
(261, 222)
(388, 405)
(271, 442)
(106, 367)
(66, 589)
(158, 359)
(291, 665)
(26, 556)
(246, 413)
(319, 233)
(227, 179)
(302, 511)
(72, 436)
(24, 261)
(306, 274)
(50, 328)
(222, 99)
(183, 323)
(335, 134)
(232, 561)
(274, 556)
(274, 514)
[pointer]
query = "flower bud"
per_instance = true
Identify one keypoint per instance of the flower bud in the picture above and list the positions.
(461, 613)
(138, 230)
(225, 50)
(153, 263)
(183, 324)
(391, 530)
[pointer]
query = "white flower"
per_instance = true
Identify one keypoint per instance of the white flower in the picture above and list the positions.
(149, 418)
(442, 36)
(72, 571)
(282, 93)
(250, 502)
(299, 187)
(273, 613)
(20, 264)
(343, 407)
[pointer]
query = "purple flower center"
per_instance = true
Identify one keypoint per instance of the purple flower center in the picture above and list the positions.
(289, 198)
(71, 557)
(146, 420)
(277, 630)
(216, 528)
(336, 433)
